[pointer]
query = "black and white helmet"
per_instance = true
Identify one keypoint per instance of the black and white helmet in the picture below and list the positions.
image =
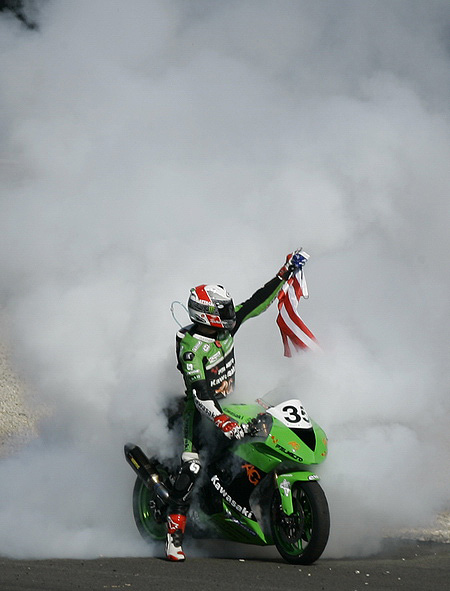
(212, 305)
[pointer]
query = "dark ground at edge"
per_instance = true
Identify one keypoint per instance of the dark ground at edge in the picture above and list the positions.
(402, 564)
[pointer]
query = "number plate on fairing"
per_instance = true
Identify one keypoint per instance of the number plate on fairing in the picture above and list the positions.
(292, 414)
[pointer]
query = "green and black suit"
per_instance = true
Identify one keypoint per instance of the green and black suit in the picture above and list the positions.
(208, 364)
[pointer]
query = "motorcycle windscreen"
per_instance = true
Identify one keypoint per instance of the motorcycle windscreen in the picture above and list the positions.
(293, 415)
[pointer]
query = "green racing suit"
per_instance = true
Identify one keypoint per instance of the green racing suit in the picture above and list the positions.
(208, 365)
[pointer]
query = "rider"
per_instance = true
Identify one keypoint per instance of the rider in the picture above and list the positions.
(205, 353)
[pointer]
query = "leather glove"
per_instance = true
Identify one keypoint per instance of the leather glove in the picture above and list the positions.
(294, 262)
(251, 428)
(229, 428)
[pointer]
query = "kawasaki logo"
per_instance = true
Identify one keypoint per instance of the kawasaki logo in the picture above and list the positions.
(228, 499)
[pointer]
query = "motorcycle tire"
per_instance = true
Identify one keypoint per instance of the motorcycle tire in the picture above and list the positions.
(301, 537)
(146, 518)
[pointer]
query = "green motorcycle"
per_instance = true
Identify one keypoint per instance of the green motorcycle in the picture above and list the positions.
(258, 491)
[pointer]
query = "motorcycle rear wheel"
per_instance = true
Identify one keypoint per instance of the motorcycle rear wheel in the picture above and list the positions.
(301, 538)
(149, 527)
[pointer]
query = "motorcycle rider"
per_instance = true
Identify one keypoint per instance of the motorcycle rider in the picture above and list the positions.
(205, 354)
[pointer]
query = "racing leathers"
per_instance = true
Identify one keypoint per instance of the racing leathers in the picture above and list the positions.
(208, 367)
(205, 354)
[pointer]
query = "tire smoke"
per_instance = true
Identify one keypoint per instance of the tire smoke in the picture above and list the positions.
(152, 146)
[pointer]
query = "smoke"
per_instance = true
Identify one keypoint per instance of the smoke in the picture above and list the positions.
(150, 147)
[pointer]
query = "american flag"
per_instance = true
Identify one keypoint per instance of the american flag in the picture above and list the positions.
(293, 330)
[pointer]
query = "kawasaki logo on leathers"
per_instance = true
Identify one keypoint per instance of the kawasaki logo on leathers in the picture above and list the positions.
(246, 512)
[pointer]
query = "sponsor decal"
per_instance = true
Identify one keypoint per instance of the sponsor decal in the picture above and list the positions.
(215, 357)
(218, 381)
(214, 320)
(253, 474)
(218, 370)
(206, 347)
(289, 452)
(295, 445)
(194, 467)
(313, 477)
(225, 388)
(172, 524)
(285, 486)
(203, 408)
(239, 508)
(202, 294)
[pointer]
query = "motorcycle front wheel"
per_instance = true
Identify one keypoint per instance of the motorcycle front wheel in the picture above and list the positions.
(301, 537)
(149, 521)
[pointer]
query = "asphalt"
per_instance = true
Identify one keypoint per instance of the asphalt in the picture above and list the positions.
(408, 565)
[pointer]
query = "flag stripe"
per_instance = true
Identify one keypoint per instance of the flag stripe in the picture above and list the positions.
(296, 319)
(292, 328)
(297, 288)
(287, 331)
(285, 321)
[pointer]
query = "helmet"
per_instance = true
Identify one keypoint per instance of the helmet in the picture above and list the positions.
(212, 305)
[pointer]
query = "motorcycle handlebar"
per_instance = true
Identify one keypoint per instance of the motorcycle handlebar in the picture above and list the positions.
(259, 426)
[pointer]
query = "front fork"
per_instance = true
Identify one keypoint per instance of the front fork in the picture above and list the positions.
(284, 483)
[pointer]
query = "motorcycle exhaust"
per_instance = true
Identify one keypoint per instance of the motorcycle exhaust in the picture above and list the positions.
(145, 470)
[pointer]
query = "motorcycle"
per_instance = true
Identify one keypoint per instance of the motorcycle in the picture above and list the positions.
(259, 490)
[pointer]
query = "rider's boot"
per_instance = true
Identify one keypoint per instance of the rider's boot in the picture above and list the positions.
(176, 524)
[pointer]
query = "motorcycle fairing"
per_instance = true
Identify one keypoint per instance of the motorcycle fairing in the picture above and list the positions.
(235, 526)
(284, 483)
(293, 415)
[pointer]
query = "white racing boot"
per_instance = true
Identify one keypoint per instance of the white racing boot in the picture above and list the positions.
(175, 530)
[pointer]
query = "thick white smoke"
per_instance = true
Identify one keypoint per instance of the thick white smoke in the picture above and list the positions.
(152, 146)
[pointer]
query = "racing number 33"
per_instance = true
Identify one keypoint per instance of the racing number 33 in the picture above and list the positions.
(291, 414)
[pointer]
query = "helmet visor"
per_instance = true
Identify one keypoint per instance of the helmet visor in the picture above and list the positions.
(226, 310)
